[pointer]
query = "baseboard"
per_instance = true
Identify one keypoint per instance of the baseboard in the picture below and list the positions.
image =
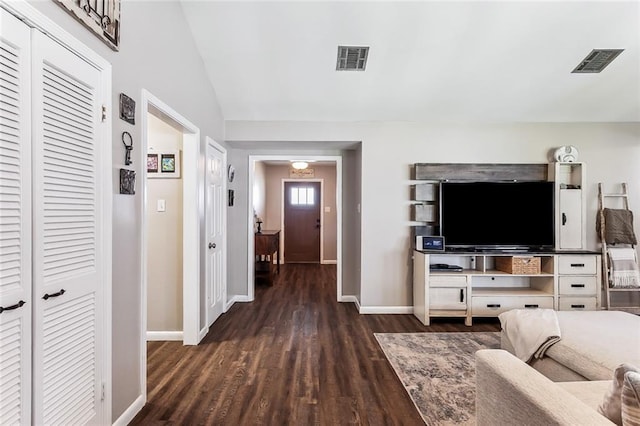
(386, 309)
(153, 336)
(128, 415)
(236, 298)
(329, 262)
(351, 299)
(202, 333)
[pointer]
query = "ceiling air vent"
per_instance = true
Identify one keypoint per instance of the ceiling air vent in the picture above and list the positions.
(597, 60)
(352, 58)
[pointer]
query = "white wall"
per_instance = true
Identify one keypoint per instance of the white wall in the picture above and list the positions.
(158, 54)
(164, 237)
(611, 152)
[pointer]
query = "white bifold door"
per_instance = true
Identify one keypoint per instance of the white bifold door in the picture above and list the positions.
(53, 276)
(15, 222)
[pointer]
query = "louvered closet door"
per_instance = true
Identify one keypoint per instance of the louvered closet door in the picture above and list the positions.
(15, 223)
(68, 265)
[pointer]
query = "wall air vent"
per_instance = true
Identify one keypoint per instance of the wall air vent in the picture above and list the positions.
(352, 58)
(597, 60)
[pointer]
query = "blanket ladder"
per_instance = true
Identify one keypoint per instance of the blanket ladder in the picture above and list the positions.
(621, 199)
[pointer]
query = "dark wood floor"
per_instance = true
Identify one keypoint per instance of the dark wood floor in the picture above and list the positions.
(293, 356)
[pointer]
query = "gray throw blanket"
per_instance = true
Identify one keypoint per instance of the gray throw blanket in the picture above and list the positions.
(618, 227)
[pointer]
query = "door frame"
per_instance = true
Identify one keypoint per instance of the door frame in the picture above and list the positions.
(36, 19)
(250, 225)
(223, 150)
(282, 207)
(191, 229)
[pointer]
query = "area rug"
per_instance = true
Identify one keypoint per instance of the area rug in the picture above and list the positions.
(438, 371)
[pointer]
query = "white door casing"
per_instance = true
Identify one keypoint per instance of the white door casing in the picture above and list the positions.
(69, 272)
(215, 213)
(15, 221)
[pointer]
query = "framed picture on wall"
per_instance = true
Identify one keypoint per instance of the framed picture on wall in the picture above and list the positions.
(168, 163)
(152, 163)
(165, 164)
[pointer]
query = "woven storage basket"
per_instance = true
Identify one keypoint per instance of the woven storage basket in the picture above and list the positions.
(519, 265)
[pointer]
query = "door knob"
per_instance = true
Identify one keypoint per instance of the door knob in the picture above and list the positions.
(212, 245)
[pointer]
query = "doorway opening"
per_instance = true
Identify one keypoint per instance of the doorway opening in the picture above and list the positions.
(172, 161)
(164, 222)
(271, 213)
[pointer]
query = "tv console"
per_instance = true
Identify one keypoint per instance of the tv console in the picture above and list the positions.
(567, 280)
(569, 277)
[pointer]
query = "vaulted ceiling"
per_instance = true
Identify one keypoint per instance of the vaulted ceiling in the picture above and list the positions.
(507, 61)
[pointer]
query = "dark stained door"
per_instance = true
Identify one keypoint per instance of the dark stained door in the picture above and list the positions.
(302, 222)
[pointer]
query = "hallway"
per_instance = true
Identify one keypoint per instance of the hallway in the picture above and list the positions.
(293, 356)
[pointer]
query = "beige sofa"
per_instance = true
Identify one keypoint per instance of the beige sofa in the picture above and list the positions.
(510, 392)
(568, 384)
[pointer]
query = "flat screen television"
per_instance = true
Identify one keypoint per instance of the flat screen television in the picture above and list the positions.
(498, 215)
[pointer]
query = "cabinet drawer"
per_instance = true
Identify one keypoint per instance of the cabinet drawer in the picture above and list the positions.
(577, 264)
(448, 298)
(447, 281)
(577, 304)
(578, 285)
(490, 306)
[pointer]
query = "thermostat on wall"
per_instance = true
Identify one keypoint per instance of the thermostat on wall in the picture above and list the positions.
(431, 243)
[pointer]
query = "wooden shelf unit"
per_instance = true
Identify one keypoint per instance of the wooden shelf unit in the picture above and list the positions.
(567, 281)
(266, 244)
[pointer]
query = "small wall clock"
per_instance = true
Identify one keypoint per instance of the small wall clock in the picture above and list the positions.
(231, 173)
(566, 154)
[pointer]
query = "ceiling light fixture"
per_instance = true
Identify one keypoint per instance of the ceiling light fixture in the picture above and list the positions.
(299, 165)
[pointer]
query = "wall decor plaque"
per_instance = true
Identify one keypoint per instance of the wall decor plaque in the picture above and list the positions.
(302, 174)
(127, 181)
(102, 17)
(127, 109)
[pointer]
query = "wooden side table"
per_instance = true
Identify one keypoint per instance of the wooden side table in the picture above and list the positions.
(267, 243)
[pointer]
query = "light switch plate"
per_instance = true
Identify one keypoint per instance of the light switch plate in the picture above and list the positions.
(161, 206)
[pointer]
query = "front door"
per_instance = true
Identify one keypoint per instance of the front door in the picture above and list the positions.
(215, 229)
(302, 222)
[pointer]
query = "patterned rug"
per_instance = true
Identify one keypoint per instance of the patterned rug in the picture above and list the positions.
(438, 371)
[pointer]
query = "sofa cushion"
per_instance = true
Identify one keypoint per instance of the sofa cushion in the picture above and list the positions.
(631, 399)
(509, 392)
(594, 343)
(588, 392)
(611, 405)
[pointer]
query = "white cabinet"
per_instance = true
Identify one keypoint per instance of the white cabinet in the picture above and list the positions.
(570, 228)
(579, 280)
(445, 296)
(564, 281)
(55, 258)
(569, 180)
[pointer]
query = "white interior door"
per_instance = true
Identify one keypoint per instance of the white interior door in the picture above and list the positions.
(215, 229)
(69, 262)
(15, 222)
